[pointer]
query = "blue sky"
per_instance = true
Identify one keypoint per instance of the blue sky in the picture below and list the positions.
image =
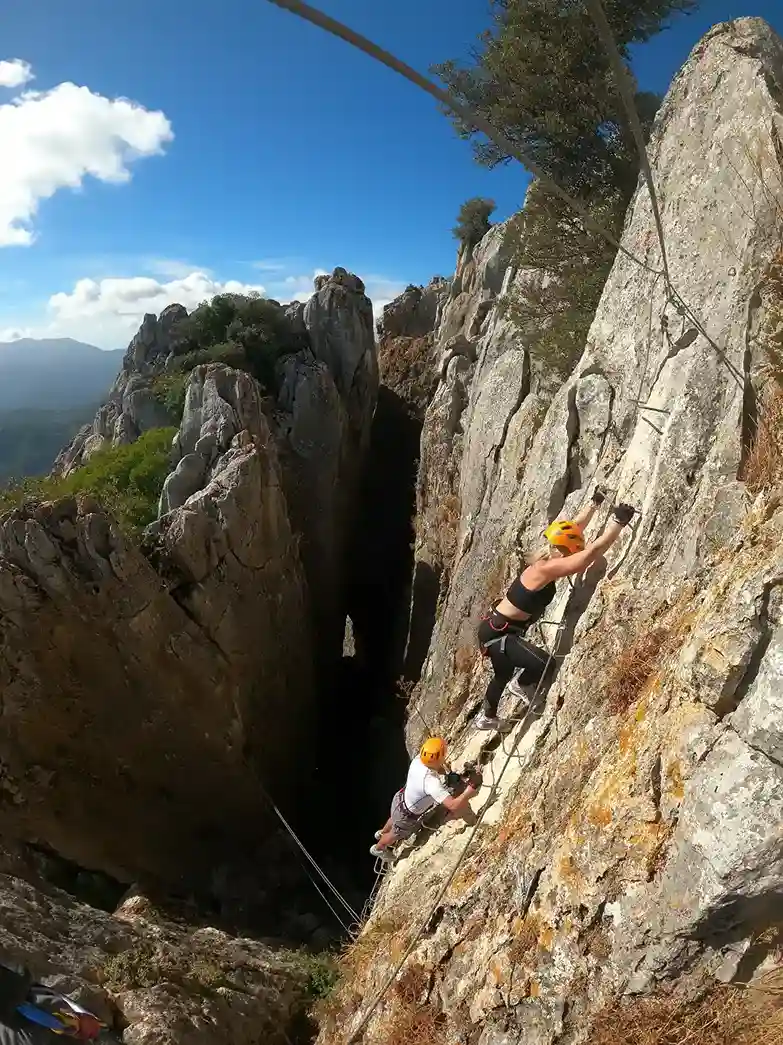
(266, 151)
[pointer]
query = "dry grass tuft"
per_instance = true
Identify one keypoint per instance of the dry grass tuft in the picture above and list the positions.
(526, 940)
(763, 468)
(411, 1025)
(413, 984)
(595, 941)
(727, 1015)
(379, 936)
(447, 519)
(635, 666)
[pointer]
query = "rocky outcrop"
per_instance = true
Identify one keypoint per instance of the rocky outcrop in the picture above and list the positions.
(180, 675)
(417, 311)
(633, 837)
(164, 675)
(323, 419)
(408, 349)
(151, 980)
(132, 407)
(481, 389)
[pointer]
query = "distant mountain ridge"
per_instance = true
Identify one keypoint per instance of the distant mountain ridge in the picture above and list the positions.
(54, 373)
(49, 388)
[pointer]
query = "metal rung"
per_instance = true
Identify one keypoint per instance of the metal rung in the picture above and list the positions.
(645, 406)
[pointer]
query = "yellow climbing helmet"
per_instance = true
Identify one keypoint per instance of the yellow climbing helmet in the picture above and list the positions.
(565, 534)
(433, 751)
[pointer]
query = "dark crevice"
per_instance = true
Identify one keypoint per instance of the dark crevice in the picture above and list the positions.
(532, 889)
(655, 785)
(730, 703)
(362, 758)
(425, 593)
(563, 486)
(90, 887)
(750, 406)
(524, 392)
(435, 920)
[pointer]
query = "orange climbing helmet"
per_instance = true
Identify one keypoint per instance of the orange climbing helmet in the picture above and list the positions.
(433, 751)
(565, 534)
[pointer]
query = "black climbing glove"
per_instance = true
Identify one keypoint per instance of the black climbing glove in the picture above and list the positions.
(475, 779)
(623, 513)
(599, 496)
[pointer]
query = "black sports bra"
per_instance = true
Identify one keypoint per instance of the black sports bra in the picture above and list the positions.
(532, 602)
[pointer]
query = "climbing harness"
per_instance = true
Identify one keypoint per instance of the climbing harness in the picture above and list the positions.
(509, 629)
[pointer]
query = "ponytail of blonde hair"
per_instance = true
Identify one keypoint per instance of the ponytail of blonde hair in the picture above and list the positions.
(539, 554)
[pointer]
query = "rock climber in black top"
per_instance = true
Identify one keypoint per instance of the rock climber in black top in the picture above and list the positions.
(501, 631)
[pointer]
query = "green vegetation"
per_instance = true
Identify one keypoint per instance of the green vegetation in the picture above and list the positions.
(247, 332)
(541, 77)
(170, 389)
(323, 975)
(572, 264)
(473, 220)
(127, 480)
(145, 965)
(30, 440)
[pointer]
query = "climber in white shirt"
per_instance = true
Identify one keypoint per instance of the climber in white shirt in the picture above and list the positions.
(424, 789)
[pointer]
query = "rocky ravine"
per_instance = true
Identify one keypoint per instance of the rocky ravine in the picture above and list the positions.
(152, 980)
(146, 690)
(634, 843)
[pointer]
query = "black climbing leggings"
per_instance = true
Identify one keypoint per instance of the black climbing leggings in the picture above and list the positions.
(506, 657)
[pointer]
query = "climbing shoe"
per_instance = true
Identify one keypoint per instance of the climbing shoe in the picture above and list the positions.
(517, 691)
(377, 835)
(382, 854)
(498, 725)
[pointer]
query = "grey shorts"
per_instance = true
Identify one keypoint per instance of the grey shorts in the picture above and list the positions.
(403, 824)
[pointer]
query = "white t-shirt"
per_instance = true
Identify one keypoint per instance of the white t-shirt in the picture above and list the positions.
(424, 788)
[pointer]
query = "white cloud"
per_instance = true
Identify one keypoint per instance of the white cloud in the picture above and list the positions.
(15, 73)
(295, 288)
(107, 312)
(15, 333)
(173, 269)
(51, 140)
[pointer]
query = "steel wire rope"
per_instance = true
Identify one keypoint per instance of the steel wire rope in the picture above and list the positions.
(470, 116)
(332, 888)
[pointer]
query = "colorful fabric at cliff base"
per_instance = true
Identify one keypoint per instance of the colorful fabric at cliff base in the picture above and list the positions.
(60, 1015)
(48, 1014)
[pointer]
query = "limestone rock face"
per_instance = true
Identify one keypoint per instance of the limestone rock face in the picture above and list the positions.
(634, 835)
(417, 311)
(151, 981)
(166, 686)
(408, 348)
(338, 318)
(179, 673)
